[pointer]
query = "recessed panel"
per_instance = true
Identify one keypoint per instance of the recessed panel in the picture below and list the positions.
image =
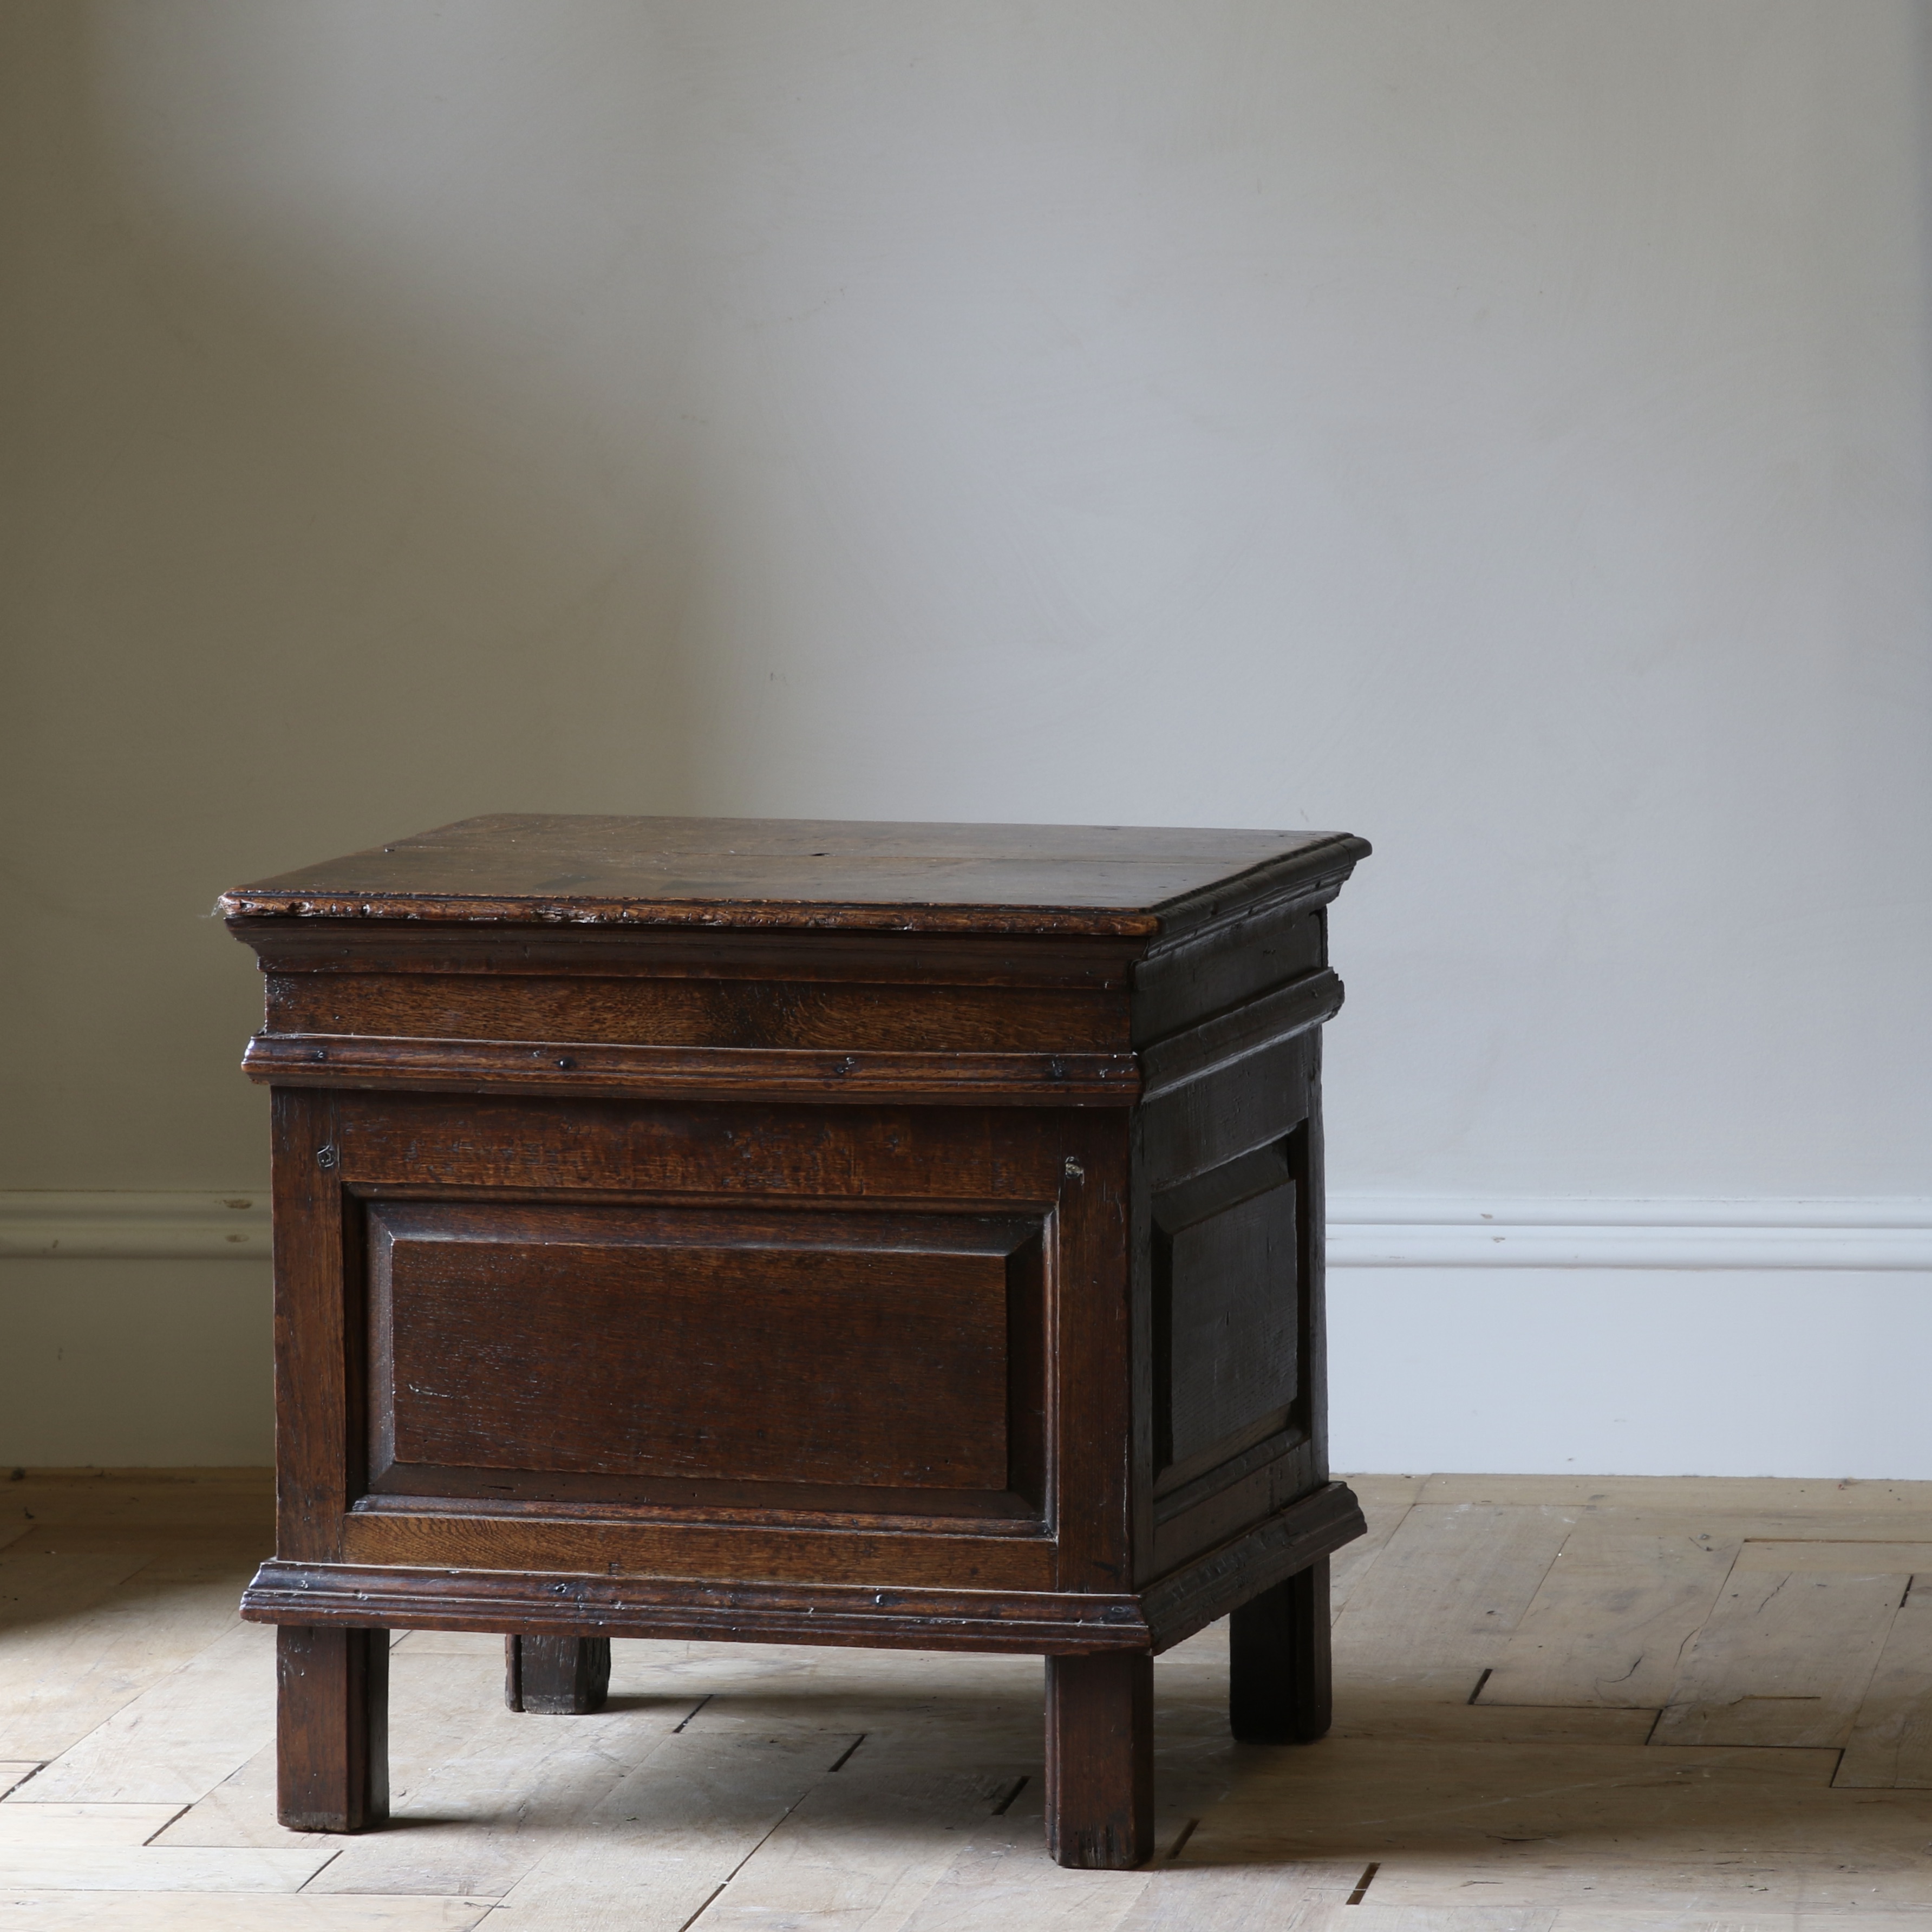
(713, 1345)
(1227, 1310)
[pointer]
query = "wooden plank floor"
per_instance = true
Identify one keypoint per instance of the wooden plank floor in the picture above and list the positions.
(1562, 1704)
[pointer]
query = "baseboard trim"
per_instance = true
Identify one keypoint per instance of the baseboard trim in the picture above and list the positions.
(1421, 1231)
(122, 1225)
(1364, 1230)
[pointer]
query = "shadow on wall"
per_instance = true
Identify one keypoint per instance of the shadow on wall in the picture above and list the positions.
(335, 513)
(349, 499)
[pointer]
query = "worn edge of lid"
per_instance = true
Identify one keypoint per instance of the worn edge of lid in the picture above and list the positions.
(1335, 855)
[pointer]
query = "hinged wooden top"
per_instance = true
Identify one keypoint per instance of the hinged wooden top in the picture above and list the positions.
(754, 874)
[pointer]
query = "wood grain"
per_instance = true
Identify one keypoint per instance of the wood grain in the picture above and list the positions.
(1448, 1590)
(1610, 1620)
(667, 1835)
(509, 1795)
(1383, 1500)
(1279, 1677)
(556, 1676)
(443, 1597)
(865, 1847)
(438, 1704)
(1890, 1744)
(740, 1230)
(1099, 1760)
(1785, 1658)
(617, 1341)
(180, 1737)
(796, 1015)
(799, 873)
(331, 1728)
(106, 1868)
(235, 1912)
(730, 1797)
(61, 1825)
(568, 1066)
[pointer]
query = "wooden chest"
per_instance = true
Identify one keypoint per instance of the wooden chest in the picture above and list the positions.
(802, 1232)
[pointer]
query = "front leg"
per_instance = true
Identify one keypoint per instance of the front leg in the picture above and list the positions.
(1279, 1676)
(331, 1728)
(556, 1676)
(1100, 1759)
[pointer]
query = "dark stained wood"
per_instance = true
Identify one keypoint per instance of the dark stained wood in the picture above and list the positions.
(440, 1584)
(814, 874)
(1221, 1042)
(798, 1546)
(739, 1073)
(320, 1427)
(800, 1016)
(419, 1489)
(1252, 1488)
(1100, 1759)
(443, 1146)
(853, 1235)
(1278, 1675)
(1226, 1314)
(1008, 962)
(556, 1676)
(1208, 1586)
(583, 1601)
(1178, 982)
(749, 1344)
(331, 1728)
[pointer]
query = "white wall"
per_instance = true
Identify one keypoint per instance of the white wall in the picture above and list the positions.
(1498, 428)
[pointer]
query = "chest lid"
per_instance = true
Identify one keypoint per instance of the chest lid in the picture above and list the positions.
(776, 874)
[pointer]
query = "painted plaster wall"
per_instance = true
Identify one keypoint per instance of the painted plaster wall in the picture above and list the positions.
(1498, 428)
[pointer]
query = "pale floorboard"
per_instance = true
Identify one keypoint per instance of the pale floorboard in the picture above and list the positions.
(1784, 1660)
(1437, 1609)
(1611, 1618)
(1891, 1742)
(1385, 1501)
(730, 1787)
(454, 1832)
(67, 1911)
(41, 1826)
(149, 1868)
(180, 1737)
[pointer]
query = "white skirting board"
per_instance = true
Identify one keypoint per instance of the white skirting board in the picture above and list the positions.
(121, 1225)
(1364, 1230)
(1544, 1231)
(1631, 1372)
(1764, 1337)
(1712, 1338)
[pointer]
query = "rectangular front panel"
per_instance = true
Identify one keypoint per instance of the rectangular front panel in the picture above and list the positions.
(887, 1345)
(735, 1345)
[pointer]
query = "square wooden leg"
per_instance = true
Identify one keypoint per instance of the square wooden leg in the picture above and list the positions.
(331, 1728)
(1280, 1678)
(1100, 1759)
(556, 1676)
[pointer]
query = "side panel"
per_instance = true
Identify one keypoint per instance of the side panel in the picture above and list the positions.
(1228, 1215)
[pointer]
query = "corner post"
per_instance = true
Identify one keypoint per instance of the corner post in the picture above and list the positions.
(331, 1728)
(1279, 1676)
(1100, 1759)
